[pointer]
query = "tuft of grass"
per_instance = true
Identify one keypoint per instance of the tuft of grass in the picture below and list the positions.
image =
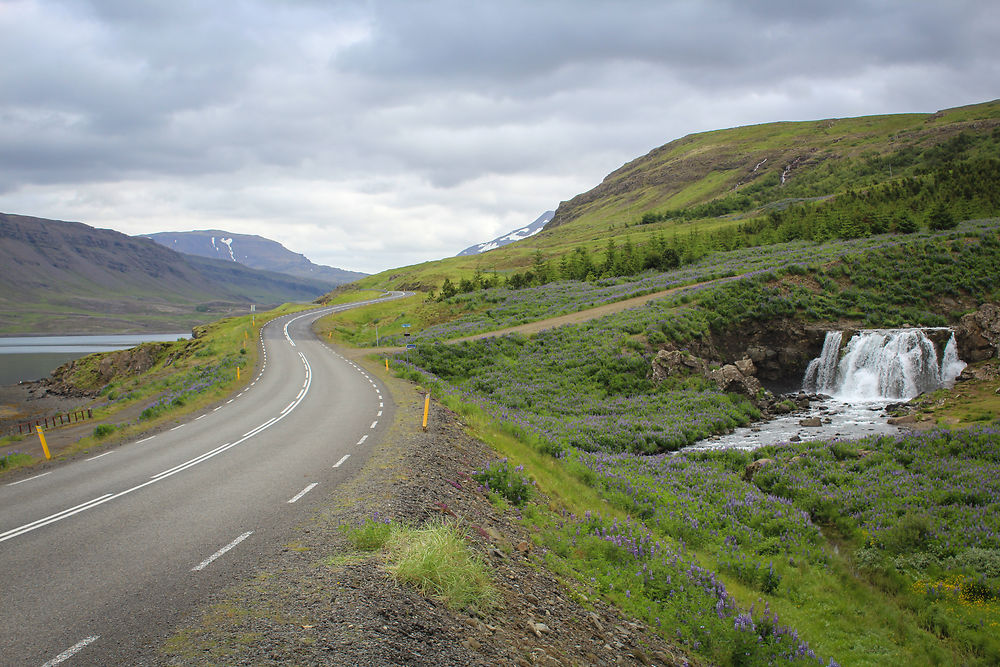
(12, 460)
(371, 535)
(437, 561)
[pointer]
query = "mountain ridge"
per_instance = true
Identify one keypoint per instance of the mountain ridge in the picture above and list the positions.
(70, 277)
(257, 252)
(518, 234)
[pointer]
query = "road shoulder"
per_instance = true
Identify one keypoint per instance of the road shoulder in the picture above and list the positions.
(321, 602)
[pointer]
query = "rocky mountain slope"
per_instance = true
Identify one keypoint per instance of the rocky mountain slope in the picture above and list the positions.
(254, 251)
(70, 277)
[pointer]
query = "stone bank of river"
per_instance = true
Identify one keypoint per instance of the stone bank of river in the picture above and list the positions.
(27, 358)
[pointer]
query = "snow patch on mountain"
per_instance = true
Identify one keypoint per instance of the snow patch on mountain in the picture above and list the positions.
(516, 235)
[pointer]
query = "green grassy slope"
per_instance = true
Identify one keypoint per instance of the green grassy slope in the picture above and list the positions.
(717, 180)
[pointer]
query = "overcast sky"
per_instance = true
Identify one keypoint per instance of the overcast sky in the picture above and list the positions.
(369, 135)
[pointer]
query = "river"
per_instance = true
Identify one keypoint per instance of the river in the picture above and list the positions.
(25, 358)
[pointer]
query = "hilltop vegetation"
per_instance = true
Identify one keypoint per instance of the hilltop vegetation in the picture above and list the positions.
(749, 186)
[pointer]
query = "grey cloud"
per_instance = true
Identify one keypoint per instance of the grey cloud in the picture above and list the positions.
(443, 114)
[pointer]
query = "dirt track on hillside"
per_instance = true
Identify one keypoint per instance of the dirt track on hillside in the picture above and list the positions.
(537, 326)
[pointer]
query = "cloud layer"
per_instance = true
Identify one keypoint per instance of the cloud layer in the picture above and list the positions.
(375, 134)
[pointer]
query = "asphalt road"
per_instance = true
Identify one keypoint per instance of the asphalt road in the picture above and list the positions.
(99, 558)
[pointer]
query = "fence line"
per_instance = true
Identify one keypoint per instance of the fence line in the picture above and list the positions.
(57, 420)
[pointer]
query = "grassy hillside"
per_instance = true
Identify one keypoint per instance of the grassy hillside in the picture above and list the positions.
(695, 192)
(870, 552)
(879, 551)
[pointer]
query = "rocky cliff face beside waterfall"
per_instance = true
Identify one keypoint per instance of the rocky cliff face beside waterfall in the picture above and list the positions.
(978, 334)
(877, 363)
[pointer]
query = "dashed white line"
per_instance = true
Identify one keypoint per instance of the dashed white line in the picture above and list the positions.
(374, 424)
(145, 439)
(71, 651)
(344, 458)
(30, 478)
(98, 456)
(217, 409)
(230, 401)
(177, 427)
(362, 440)
(378, 414)
(208, 561)
(197, 418)
(303, 492)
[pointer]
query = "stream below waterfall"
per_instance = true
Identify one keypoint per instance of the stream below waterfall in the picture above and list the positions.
(840, 420)
(873, 369)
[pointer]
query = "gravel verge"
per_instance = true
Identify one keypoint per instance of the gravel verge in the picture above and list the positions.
(320, 602)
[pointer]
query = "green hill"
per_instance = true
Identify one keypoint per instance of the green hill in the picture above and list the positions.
(694, 192)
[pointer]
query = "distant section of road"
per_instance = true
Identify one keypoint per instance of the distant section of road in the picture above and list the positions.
(102, 556)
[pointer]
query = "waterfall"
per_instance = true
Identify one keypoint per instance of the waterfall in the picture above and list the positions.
(893, 363)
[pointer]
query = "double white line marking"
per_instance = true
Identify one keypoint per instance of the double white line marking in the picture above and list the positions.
(64, 514)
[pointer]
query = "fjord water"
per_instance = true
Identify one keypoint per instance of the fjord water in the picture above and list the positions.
(25, 358)
(876, 367)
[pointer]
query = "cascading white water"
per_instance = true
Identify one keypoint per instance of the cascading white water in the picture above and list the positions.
(894, 363)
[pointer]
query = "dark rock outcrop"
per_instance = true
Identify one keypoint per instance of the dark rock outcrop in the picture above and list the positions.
(978, 334)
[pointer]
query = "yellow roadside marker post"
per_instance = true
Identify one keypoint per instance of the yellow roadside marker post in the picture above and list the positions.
(237, 372)
(427, 407)
(45, 446)
(387, 364)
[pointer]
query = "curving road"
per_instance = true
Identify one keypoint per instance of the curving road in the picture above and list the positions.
(101, 557)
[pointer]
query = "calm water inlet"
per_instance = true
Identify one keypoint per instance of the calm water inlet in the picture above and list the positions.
(25, 358)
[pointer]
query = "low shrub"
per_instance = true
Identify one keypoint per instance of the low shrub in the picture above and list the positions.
(500, 478)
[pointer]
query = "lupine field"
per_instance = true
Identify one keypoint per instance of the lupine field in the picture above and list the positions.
(877, 551)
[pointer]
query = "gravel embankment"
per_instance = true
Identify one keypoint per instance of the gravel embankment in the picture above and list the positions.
(322, 603)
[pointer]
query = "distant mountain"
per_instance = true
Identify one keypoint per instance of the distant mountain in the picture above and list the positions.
(516, 235)
(254, 251)
(69, 277)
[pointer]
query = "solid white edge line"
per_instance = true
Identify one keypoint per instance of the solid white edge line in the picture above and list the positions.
(341, 461)
(30, 478)
(71, 651)
(92, 458)
(208, 561)
(303, 492)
